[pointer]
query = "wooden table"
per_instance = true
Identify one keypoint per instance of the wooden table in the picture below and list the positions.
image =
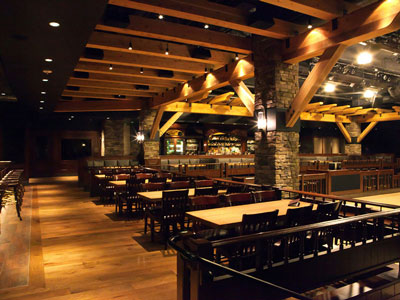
(232, 216)
(156, 196)
(119, 176)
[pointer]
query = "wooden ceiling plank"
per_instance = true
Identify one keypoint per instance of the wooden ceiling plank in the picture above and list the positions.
(205, 12)
(361, 112)
(169, 123)
(384, 117)
(145, 61)
(323, 108)
(326, 9)
(124, 80)
(344, 131)
(312, 83)
(238, 70)
(363, 24)
(244, 94)
(118, 42)
(221, 98)
(100, 95)
(311, 106)
(349, 111)
(199, 97)
(94, 67)
(111, 88)
(334, 110)
(319, 117)
(173, 32)
(102, 105)
(98, 90)
(396, 108)
(156, 123)
(366, 131)
(213, 109)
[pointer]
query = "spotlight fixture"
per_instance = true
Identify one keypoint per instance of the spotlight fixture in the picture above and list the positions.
(369, 94)
(43, 93)
(141, 70)
(363, 43)
(167, 50)
(140, 137)
(261, 121)
(309, 26)
(205, 70)
(41, 107)
(110, 67)
(236, 56)
(206, 26)
(364, 58)
(54, 24)
(3, 94)
(48, 59)
(41, 101)
(45, 80)
(160, 17)
(108, 118)
(47, 72)
(329, 87)
(130, 46)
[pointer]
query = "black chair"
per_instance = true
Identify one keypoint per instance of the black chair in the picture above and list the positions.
(264, 196)
(238, 199)
(234, 189)
(327, 211)
(258, 222)
(176, 185)
(299, 216)
(106, 189)
(130, 199)
(206, 191)
(203, 183)
(158, 179)
(169, 215)
(180, 178)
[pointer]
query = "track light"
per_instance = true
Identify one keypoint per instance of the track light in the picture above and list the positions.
(236, 56)
(141, 70)
(54, 24)
(206, 26)
(205, 70)
(110, 67)
(160, 17)
(48, 59)
(167, 50)
(309, 26)
(130, 46)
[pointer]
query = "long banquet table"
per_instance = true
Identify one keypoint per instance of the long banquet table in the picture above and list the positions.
(156, 196)
(228, 217)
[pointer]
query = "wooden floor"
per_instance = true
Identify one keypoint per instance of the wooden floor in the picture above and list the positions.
(80, 250)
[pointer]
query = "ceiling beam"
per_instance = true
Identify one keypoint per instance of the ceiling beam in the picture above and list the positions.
(349, 111)
(120, 43)
(221, 98)
(103, 105)
(245, 95)
(326, 9)
(169, 123)
(156, 123)
(145, 61)
(338, 109)
(173, 32)
(319, 117)
(311, 106)
(361, 112)
(366, 23)
(207, 13)
(394, 116)
(99, 68)
(366, 131)
(238, 70)
(212, 109)
(344, 131)
(323, 108)
(101, 95)
(117, 88)
(312, 83)
(107, 91)
(199, 97)
(123, 79)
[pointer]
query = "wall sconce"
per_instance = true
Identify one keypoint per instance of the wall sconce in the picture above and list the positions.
(261, 121)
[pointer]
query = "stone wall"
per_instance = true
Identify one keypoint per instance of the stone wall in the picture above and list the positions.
(354, 130)
(151, 148)
(276, 84)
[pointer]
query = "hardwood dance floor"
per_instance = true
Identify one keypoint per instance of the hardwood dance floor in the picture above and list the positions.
(79, 250)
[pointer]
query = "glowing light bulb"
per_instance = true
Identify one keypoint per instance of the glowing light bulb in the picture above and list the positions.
(364, 58)
(329, 87)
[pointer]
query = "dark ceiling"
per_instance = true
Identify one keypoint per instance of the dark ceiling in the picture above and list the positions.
(27, 39)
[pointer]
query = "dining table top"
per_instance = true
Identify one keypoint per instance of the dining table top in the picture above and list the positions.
(227, 217)
(116, 176)
(157, 195)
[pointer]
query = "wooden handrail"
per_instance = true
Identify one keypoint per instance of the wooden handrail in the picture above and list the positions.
(297, 229)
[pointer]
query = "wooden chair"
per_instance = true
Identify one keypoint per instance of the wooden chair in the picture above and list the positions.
(176, 185)
(234, 189)
(328, 211)
(258, 222)
(164, 175)
(106, 189)
(206, 191)
(204, 202)
(130, 199)
(180, 178)
(264, 196)
(170, 214)
(238, 199)
(203, 183)
(152, 186)
(299, 216)
(143, 175)
(158, 179)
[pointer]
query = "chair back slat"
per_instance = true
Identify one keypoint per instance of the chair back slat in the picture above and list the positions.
(238, 199)
(258, 222)
(175, 185)
(174, 205)
(152, 186)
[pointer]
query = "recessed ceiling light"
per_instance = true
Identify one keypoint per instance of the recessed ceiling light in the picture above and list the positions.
(363, 43)
(206, 26)
(41, 107)
(364, 58)
(130, 46)
(3, 94)
(45, 79)
(72, 117)
(47, 71)
(54, 24)
(48, 59)
(108, 118)
(309, 26)
(329, 87)
(41, 101)
(368, 93)
(43, 93)
(160, 17)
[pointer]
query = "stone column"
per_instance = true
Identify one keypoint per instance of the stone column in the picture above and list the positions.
(353, 148)
(151, 148)
(117, 137)
(276, 84)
